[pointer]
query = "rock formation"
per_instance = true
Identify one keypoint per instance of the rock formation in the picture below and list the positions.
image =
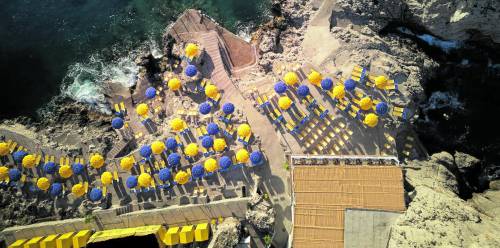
(227, 234)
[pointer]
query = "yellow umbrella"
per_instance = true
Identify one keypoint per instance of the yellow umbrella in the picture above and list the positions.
(244, 130)
(365, 103)
(210, 165)
(142, 109)
(4, 172)
(106, 178)
(181, 177)
(43, 183)
(211, 91)
(96, 161)
(242, 156)
(78, 190)
(314, 77)
(339, 91)
(291, 78)
(191, 150)
(191, 50)
(144, 180)
(284, 102)
(219, 144)
(174, 84)
(29, 161)
(65, 171)
(177, 124)
(157, 147)
(380, 82)
(371, 120)
(4, 149)
(127, 163)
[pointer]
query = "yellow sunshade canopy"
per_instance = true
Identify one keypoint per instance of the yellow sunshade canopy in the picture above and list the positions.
(43, 183)
(78, 190)
(192, 50)
(339, 92)
(365, 103)
(106, 178)
(244, 130)
(314, 77)
(211, 91)
(96, 161)
(210, 165)
(242, 156)
(4, 149)
(219, 144)
(284, 102)
(65, 171)
(142, 109)
(127, 163)
(157, 147)
(380, 82)
(4, 172)
(291, 78)
(145, 180)
(177, 124)
(371, 120)
(29, 161)
(181, 177)
(191, 150)
(174, 84)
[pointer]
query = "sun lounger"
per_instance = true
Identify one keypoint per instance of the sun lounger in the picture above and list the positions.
(199, 132)
(279, 115)
(359, 74)
(226, 118)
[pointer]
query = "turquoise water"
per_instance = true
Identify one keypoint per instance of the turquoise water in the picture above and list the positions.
(45, 44)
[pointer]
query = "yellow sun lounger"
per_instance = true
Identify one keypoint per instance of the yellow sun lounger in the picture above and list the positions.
(18, 244)
(49, 241)
(65, 240)
(81, 238)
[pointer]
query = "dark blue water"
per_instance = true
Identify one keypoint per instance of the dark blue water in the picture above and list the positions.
(41, 39)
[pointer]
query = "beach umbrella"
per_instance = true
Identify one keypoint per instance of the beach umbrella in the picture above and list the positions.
(77, 168)
(205, 108)
(171, 143)
(191, 71)
(211, 91)
(339, 92)
(142, 109)
(78, 190)
(365, 103)
(29, 161)
(56, 189)
(65, 171)
(127, 163)
(144, 180)
(197, 171)
(131, 182)
(191, 50)
(327, 84)
(381, 108)
(164, 174)
(207, 142)
(177, 124)
(314, 77)
(225, 162)
(380, 82)
(43, 183)
(212, 128)
(106, 178)
(291, 78)
(174, 84)
(371, 120)
(150, 93)
(117, 123)
(191, 150)
(219, 144)
(210, 165)
(157, 147)
(302, 91)
(146, 151)
(14, 175)
(284, 102)
(96, 161)
(19, 155)
(95, 194)
(244, 130)
(256, 157)
(181, 177)
(4, 173)
(350, 84)
(4, 149)
(174, 159)
(242, 156)
(50, 167)
(228, 108)
(280, 87)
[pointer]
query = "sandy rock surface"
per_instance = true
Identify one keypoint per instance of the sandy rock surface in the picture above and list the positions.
(227, 234)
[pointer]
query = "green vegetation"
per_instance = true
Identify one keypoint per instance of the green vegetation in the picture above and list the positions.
(267, 239)
(286, 166)
(89, 218)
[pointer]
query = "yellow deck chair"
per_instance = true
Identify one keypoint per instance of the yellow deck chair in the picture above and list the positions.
(117, 108)
(122, 107)
(356, 73)
(52, 159)
(86, 186)
(141, 168)
(115, 176)
(81, 238)
(65, 240)
(49, 241)
(18, 243)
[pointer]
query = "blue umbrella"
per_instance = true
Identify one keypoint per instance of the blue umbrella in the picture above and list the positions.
(150, 93)
(225, 162)
(303, 90)
(19, 155)
(131, 182)
(207, 142)
(117, 123)
(381, 108)
(164, 174)
(228, 108)
(95, 194)
(326, 84)
(146, 151)
(205, 108)
(14, 174)
(350, 84)
(212, 129)
(171, 143)
(256, 157)
(197, 171)
(191, 71)
(174, 159)
(56, 189)
(50, 167)
(77, 168)
(280, 87)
